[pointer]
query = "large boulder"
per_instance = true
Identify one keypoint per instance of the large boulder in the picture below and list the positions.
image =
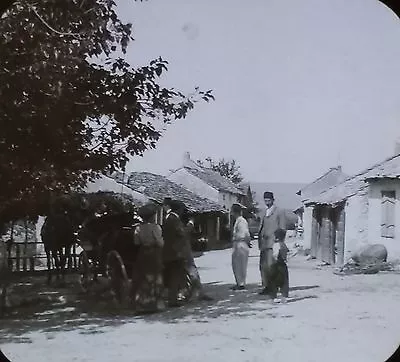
(370, 254)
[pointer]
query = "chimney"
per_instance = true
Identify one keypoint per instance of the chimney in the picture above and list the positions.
(397, 148)
(187, 161)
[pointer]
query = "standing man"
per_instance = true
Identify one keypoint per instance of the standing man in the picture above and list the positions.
(273, 220)
(241, 243)
(175, 251)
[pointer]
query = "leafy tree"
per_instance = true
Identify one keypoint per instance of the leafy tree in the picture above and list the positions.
(71, 106)
(226, 168)
(254, 208)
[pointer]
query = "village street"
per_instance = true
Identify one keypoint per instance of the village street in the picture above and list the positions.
(332, 318)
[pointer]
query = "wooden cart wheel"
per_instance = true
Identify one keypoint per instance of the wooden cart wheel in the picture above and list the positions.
(187, 290)
(85, 271)
(118, 277)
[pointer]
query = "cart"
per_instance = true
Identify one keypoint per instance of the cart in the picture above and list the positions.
(109, 251)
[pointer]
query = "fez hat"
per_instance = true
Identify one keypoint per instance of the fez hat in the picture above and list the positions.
(268, 195)
(147, 211)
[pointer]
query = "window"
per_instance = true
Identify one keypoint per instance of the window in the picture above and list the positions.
(388, 203)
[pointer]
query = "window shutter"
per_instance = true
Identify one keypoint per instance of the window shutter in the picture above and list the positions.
(388, 214)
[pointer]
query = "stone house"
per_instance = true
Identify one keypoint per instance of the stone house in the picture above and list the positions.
(208, 184)
(363, 209)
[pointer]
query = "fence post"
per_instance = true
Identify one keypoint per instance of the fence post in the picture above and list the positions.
(32, 264)
(74, 256)
(25, 256)
(17, 257)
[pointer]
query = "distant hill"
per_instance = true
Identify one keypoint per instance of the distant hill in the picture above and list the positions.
(285, 193)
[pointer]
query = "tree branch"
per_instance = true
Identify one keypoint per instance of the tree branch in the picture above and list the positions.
(77, 36)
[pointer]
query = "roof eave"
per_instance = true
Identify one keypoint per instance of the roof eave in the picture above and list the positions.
(378, 177)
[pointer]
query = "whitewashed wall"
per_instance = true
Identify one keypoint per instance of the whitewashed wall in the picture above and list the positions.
(356, 223)
(307, 226)
(374, 219)
(192, 183)
(227, 199)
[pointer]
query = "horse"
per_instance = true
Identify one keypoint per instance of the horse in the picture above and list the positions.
(58, 233)
(109, 232)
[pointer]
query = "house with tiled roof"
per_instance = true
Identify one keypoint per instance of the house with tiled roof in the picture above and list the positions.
(332, 177)
(207, 183)
(362, 209)
(157, 187)
(208, 214)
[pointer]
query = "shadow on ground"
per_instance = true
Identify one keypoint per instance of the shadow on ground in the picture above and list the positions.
(67, 309)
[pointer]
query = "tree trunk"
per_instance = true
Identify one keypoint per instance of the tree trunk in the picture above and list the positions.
(218, 229)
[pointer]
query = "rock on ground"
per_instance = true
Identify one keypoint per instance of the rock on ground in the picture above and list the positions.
(370, 254)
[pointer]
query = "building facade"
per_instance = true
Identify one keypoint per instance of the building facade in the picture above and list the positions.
(363, 209)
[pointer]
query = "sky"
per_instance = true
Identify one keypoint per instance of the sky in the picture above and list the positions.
(300, 86)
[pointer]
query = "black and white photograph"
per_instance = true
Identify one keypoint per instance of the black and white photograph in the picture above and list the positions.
(214, 180)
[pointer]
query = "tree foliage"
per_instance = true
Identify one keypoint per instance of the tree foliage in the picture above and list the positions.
(71, 106)
(226, 168)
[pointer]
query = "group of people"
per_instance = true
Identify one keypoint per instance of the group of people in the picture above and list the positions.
(165, 260)
(273, 250)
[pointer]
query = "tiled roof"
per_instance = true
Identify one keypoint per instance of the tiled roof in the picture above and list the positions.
(389, 168)
(215, 180)
(332, 177)
(158, 187)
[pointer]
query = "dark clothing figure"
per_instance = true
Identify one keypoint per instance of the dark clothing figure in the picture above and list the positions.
(175, 254)
(278, 276)
(273, 220)
(176, 245)
(147, 279)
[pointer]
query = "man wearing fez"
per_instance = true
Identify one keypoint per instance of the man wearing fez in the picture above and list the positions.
(273, 220)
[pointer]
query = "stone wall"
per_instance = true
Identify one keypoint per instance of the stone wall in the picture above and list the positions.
(307, 226)
(356, 222)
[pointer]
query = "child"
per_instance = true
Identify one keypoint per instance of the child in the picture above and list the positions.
(279, 279)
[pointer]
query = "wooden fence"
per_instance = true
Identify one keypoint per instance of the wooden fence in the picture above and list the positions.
(21, 258)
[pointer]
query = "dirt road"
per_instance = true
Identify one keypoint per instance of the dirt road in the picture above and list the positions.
(332, 318)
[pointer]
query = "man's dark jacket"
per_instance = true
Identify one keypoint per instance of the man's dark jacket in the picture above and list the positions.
(176, 241)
